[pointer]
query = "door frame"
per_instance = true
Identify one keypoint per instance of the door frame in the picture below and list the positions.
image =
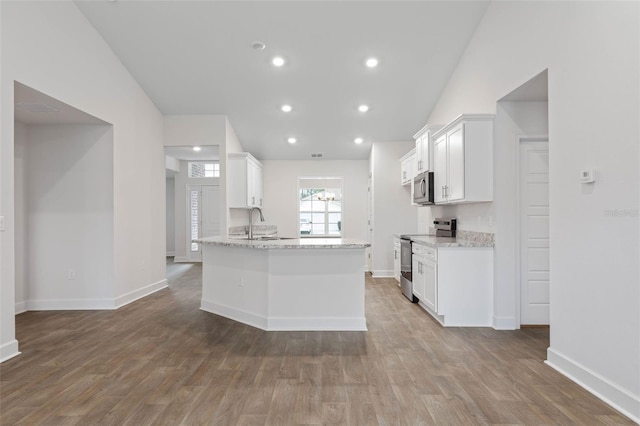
(524, 138)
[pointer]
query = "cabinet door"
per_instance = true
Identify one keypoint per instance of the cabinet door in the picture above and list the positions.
(418, 164)
(396, 262)
(258, 183)
(455, 144)
(417, 276)
(440, 168)
(430, 293)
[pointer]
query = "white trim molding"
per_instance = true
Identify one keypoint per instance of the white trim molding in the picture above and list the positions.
(69, 304)
(181, 259)
(9, 350)
(89, 304)
(132, 296)
(171, 254)
(505, 323)
(617, 397)
(382, 274)
(234, 314)
(20, 307)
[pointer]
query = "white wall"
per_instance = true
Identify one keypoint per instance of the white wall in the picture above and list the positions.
(69, 226)
(171, 216)
(281, 193)
(392, 209)
(73, 64)
(591, 50)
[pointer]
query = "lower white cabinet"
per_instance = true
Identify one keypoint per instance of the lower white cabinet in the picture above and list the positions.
(454, 284)
(396, 259)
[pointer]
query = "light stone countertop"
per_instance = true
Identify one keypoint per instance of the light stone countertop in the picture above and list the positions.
(287, 243)
(433, 241)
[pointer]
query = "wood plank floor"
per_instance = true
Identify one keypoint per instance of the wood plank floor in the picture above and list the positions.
(160, 360)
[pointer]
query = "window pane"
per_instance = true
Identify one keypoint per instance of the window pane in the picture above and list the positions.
(334, 217)
(335, 206)
(317, 229)
(201, 169)
(318, 218)
(318, 206)
(305, 217)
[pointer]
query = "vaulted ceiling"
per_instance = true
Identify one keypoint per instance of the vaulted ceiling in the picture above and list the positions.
(197, 57)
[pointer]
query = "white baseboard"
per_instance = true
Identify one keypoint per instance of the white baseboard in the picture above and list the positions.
(504, 323)
(317, 324)
(285, 323)
(171, 253)
(244, 317)
(9, 350)
(180, 259)
(132, 296)
(20, 307)
(382, 274)
(620, 399)
(69, 304)
(89, 304)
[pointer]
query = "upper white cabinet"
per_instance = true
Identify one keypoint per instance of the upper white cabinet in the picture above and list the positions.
(406, 167)
(423, 161)
(244, 181)
(463, 160)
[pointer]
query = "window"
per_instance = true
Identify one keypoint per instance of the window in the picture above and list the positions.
(320, 208)
(202, 169)
(195, 217)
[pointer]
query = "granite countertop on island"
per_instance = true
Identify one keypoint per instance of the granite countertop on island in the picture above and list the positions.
(285, 243)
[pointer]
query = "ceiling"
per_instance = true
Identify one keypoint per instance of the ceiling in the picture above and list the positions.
(196, 57)
(33, 107)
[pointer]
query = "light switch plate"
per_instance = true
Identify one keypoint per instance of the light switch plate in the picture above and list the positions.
(587, 176)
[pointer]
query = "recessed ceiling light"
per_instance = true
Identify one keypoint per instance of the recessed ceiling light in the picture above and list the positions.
(278, 61)
(258, 45)
(292, 140)
(358, 140)
(363, 108)
(286, 108)
(197, 148)
(372, 62)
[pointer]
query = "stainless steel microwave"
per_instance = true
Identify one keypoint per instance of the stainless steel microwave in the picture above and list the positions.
(423, 192)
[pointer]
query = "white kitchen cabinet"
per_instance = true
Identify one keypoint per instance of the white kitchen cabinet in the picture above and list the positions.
(396, 259)
(463, 160)
(455, 284)
(406, 167)
(423, 161)
(245, 186)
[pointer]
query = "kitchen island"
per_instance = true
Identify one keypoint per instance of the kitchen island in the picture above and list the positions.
(285, 284)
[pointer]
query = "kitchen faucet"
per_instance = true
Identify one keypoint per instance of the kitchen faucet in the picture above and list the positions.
(251, 220)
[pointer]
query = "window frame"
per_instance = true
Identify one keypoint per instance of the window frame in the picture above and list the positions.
(216, 169)
(326, 211)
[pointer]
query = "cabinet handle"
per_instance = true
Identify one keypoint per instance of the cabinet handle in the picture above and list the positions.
(446, 190)
(253, 200)
(260, 202)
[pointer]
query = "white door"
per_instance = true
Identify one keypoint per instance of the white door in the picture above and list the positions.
(204, 217)
(455, 142)
(534, 233)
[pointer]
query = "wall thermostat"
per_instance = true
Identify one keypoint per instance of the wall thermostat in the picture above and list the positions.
(587, 176)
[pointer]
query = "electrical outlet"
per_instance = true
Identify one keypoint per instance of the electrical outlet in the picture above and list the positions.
(71, 274)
